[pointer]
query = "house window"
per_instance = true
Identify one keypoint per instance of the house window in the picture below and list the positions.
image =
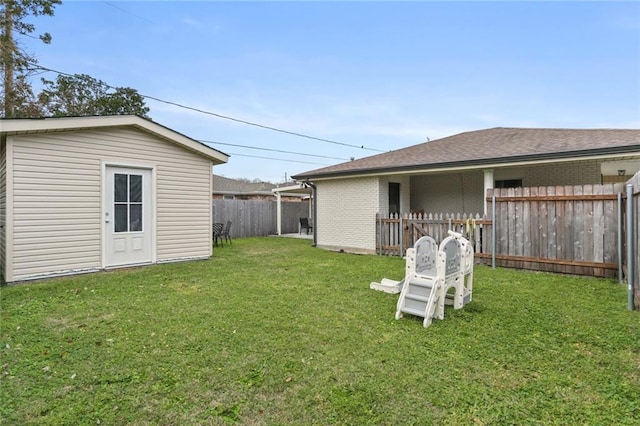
(508, 183)
(227, 197)
(394, 197)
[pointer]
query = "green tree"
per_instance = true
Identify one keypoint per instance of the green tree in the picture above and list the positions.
(17, 98)
(82, 95)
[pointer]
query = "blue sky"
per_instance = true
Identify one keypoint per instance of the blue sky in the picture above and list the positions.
(378, 75)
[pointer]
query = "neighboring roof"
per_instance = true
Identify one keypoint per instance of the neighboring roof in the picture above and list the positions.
(488, 147)
(45, 125)
(223, 185)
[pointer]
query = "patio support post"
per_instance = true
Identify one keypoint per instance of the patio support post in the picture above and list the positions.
(279, 213)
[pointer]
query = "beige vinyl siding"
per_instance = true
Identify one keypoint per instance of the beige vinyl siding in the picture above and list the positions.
(55, 209)
(184, 211)
(3, 204)
(57, 198)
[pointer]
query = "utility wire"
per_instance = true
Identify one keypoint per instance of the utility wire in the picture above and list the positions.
(278, 159)
(226, 117)
(272, 150)
(262, 126)
(127, 12)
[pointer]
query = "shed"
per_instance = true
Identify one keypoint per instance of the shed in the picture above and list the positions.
(82, 194)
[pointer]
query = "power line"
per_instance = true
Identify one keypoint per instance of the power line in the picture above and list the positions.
(272, 150)
(249, 123)
(226, 117)
(278, 159)
(127, 12)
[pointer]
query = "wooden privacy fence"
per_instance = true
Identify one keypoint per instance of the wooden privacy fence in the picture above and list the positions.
(568, 229)
(257, 218)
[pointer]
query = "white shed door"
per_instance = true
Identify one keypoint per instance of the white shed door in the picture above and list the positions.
(128, 217)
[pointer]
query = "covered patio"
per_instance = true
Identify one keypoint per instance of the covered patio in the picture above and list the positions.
(300, 189)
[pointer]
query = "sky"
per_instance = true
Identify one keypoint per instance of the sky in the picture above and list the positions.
(366, 77)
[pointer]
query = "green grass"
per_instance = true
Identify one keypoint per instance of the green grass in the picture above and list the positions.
(273, 331)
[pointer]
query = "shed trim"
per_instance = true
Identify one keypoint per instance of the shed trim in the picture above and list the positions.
(8, 218)
(23, 126)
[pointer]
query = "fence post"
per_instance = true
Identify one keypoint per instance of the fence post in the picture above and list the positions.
(493, 230)
(380, 229)
(630, 235)
(401, 236)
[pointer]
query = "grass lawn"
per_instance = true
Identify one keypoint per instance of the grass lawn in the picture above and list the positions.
(273, 331)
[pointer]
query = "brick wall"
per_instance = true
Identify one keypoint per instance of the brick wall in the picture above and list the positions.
(442, 193)
(572, 173)
(346, 213)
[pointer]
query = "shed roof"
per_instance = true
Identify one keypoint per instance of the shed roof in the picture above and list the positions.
(498, 145)
(61, 124)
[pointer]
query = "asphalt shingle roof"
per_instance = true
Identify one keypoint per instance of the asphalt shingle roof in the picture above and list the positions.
(490, 146)
(222, 184)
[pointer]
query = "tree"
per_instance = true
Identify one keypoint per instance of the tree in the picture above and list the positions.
(82, 95)
(75, 95)
(17, 99)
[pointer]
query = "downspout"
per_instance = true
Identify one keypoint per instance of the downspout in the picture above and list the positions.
(314, 200)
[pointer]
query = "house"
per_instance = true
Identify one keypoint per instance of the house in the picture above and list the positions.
(452, 174)
(82, 194)
(237, 189)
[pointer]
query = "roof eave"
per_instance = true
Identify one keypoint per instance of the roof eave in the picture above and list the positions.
(475, 163)
(38, 125)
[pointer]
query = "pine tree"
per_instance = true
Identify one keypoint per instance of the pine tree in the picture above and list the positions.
(17, 98)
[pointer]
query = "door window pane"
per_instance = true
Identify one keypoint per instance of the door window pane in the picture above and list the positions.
(120, 188)
(135, 188)
(127, 206)
(120, 218)
(135, 217)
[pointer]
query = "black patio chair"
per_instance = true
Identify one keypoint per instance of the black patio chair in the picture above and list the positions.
(218, 228)
(226, 232)
(304, 224)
